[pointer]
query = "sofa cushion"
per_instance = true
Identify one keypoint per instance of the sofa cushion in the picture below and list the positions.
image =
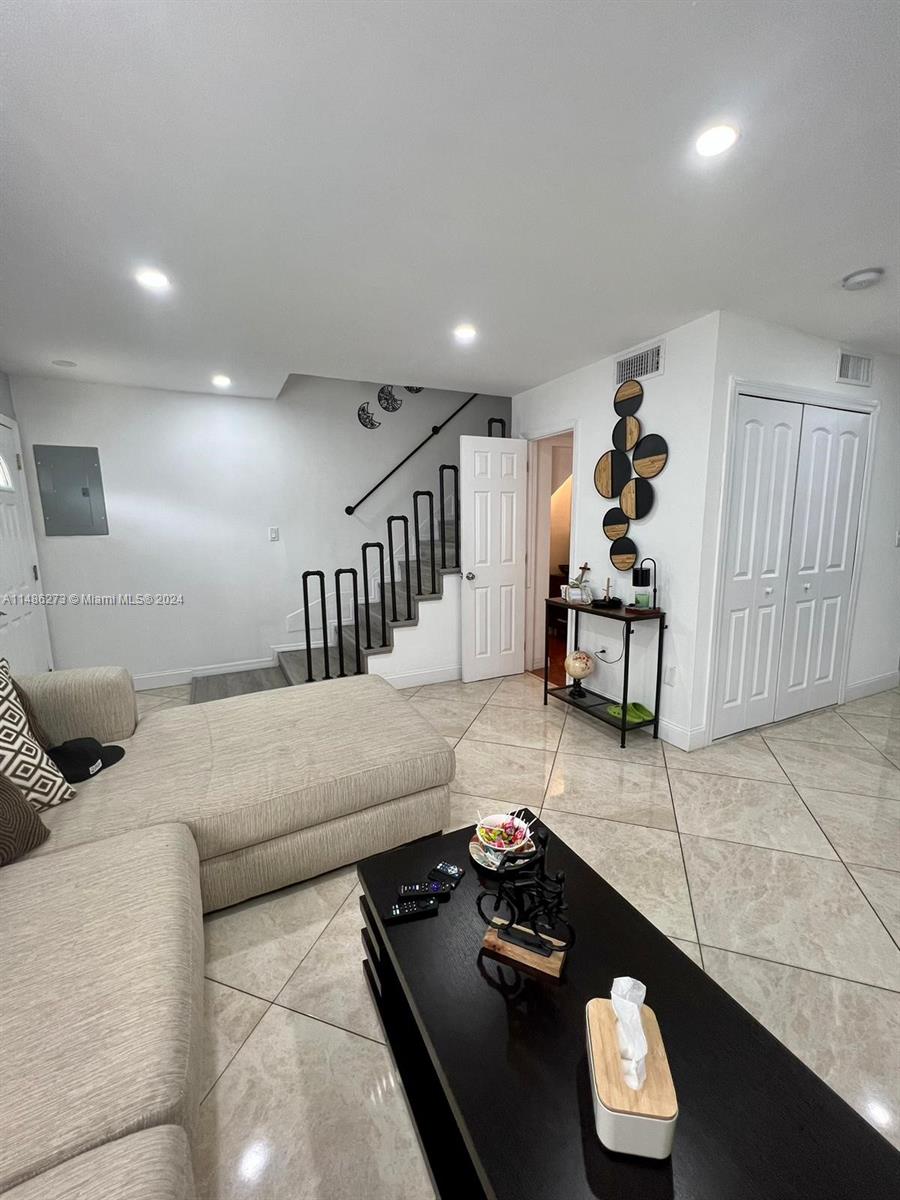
(20, 826)
(244, 770)
(154, 1164)
(22, 761)
(100, 996)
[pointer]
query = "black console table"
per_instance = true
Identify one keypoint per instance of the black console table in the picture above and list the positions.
(593, 703)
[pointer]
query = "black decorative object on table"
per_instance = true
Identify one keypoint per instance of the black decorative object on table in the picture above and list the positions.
(528, 906)
(640, 577)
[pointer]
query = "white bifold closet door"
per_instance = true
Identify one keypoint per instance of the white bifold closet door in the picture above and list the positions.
(790, 544)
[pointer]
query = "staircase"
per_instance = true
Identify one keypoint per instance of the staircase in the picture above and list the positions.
(370, 602)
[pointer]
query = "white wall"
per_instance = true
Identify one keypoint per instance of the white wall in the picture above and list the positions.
(677, 405)
(192, 484)
(429, 652)
(6, 403)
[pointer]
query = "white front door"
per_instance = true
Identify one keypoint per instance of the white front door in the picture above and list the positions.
(24, 640)
(766, 445)
(492, 525)
(823, 545)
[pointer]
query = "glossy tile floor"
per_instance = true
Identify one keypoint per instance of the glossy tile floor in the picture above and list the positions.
(771, 858)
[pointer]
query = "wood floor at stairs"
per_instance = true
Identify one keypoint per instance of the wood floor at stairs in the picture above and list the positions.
(235, 683)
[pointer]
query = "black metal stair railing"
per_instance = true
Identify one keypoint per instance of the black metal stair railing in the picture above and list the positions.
(320, 575)
(492, 421)
(404, 521)
(351, 571)
(366, 547)
(417, 533)
(454, 470)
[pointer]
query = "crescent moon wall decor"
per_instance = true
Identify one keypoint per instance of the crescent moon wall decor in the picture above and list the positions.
(365, 418)
(628, 397)
(623, 554)
(414, 391)
(626, 432)
(612, 472)
(650, 455)
(615, 524)
(388, 401)
(636, 498)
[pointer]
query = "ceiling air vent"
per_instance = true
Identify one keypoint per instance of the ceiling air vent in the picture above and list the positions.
(854, 368)
(646, 360)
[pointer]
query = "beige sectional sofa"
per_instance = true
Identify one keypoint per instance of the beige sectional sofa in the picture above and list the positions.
(102, 936)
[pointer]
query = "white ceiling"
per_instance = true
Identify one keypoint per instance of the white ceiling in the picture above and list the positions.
(333, 186)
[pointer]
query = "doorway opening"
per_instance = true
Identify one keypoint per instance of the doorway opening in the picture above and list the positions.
(550, 474)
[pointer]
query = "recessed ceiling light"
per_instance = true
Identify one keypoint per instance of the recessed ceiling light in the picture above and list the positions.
(857, 280)
(465, 334)
(152, 279)
(221, 381)
(64, 362)
(716, 140)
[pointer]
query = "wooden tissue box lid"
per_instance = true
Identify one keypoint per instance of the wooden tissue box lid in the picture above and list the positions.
(656, 1099)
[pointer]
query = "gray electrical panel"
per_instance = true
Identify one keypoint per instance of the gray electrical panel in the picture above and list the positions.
(71, 488)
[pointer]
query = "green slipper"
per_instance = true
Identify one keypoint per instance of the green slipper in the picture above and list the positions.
(634, 714)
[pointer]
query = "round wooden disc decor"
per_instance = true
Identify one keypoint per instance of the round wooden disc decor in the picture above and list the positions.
(626, 432)
(650, 455)
(628, 397)
(636, 498)
(615, 524)
(612, 472)
(623, 554)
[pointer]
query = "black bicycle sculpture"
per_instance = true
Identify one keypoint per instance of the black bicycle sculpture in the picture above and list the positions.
(528, 904)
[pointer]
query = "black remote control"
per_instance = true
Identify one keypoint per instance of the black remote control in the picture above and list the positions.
(409, 910)
(448, 872)
(431, 887)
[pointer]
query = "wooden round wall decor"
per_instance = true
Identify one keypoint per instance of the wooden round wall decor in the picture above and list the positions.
(628, 397)
(626, 433)
(623, 554)
(650, 455)
(612, 472)
(636, 498)
(615, 524)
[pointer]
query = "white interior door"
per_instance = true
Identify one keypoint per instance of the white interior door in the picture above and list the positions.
(766, 447)
(492, 522)
(24, 639)
(823, 546)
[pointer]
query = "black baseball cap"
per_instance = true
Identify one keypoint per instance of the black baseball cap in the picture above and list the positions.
(83, 758)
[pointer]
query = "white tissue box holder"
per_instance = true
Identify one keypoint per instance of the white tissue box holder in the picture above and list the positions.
(638, 1122)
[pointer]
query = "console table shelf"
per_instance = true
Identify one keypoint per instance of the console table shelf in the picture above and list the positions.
(593, 703)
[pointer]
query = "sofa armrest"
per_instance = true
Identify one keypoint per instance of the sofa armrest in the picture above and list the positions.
(97, 702)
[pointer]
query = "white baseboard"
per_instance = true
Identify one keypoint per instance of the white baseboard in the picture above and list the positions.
(682, 738)
(421, 678)
(181, 675)
(869, 687)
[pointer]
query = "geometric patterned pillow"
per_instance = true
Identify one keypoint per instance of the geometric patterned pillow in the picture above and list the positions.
(22, 761)
(21, 829)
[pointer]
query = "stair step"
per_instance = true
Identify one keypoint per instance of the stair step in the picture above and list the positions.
(294, 665)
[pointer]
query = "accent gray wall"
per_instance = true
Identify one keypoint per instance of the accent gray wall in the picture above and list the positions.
(6, 402)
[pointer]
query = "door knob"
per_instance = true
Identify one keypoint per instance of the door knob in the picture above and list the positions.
(806, 587)
(470, 574)
(769, 591)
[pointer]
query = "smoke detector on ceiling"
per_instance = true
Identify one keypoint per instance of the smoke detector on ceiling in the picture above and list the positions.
(857, 280)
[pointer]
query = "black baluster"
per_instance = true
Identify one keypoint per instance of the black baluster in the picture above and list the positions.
(430, 498)
(320, 575)
(404, 521)
(501, 421)
(351, 571)
(379, 546)
(455, 471)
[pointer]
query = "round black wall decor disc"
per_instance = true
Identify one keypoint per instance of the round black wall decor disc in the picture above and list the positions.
(615, 524)
(623, 554)
(650, 455)
(612, 472)
(386, 398)
(628, 397)
(636, 498)
(626, 432)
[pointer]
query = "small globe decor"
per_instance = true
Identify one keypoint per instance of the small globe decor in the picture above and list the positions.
(579, 665)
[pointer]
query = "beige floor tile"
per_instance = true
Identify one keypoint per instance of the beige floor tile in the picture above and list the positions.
(618, 791)
(824, 726)
(846, 1032)
(451, 741)
(863, 829)
(691, 949)
(521, 691)
(881, 732)
(593, 738)
(230, 1017)
(257, 945)
(806, 912)
(449, 716)
(644, 865)
(882, 889)
(859, 769)
(309, 1112)
(149, 702)
(466, 810)
(329, 983)
(537, 728)
(754, 811)
(513, 775)
(178, 691)
(883, 704)
(408, 692)
(745, 756)
(468, 693)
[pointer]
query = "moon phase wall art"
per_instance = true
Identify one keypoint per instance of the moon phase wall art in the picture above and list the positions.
(389, 401)
(618, 476)
(365, 418)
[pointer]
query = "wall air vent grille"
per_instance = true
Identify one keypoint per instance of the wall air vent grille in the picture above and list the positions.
(640, 363)
(854, 368)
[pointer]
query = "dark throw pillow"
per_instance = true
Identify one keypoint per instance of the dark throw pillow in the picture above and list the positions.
(21, 829)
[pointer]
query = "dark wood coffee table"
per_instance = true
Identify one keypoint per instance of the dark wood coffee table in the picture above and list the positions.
(498, 1083)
